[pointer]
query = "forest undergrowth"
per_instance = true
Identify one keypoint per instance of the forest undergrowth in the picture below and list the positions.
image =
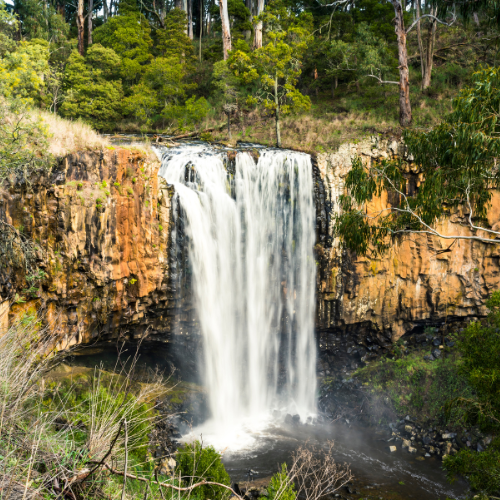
(88, 436)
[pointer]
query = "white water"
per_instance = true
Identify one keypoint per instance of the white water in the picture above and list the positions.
(253, 276)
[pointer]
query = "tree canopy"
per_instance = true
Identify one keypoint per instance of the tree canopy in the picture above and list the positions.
(457, 164)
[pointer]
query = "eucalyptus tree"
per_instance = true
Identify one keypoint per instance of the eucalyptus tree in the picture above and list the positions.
(276, 66)
(458, 171)
(405, 113)
(226, 28)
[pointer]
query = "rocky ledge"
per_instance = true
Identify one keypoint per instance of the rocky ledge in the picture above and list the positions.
(112, 270)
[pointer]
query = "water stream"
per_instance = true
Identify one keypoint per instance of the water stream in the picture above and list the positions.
(250, 243)
(250, 228)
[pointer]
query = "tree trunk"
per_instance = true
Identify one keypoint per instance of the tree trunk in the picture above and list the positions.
(190, 18)
(431, 38)
(226, 30)
(89, 23)
(80, 23)
(201, 24)
(257, 40)
(277, 112)
(105, 9)
(420, 45)
(404, 75)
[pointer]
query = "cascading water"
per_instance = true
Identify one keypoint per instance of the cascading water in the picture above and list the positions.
(251, 236)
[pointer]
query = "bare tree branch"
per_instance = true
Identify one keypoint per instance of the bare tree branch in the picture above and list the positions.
(454, 18)
(382, 82)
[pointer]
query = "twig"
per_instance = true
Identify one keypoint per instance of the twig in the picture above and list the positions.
(159, 485)
(101, 463)
(171, 486)
(126, 459)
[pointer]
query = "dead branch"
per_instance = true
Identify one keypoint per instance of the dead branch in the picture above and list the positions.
(316, 473)
(172, 486)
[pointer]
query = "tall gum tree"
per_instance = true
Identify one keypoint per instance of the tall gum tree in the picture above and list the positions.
(276, 67)
(405, 113)
(226, 28)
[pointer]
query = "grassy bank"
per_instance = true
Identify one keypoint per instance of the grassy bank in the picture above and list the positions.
(413, 385)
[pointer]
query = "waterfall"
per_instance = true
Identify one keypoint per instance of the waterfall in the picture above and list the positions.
(250, 236)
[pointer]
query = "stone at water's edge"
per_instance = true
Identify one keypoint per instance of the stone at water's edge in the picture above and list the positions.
(109, 267)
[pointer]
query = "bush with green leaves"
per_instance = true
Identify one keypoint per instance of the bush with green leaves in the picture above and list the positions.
(480, 349)
(23, 71)
(23, 142)
(93, 87)
(280, 487)
(129, 35)
(196, 462)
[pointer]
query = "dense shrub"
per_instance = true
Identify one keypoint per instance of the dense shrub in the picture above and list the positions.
(198, 462)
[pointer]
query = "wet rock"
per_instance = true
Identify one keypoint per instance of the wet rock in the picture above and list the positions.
(296, 419)
(449, 435)
(392, 449)
(406, 444)
(429, 357)
(426, 440)
(412, 449)
(288, 419)
(436, 353)
(436, 342)
(479, 447)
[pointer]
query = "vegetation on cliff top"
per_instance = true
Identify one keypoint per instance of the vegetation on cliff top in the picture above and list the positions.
(153, 66)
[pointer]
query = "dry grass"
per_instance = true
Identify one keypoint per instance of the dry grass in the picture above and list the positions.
(67, 136)
(306, 132)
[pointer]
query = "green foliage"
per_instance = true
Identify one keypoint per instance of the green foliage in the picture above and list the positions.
(367, 54)
(23, 71)
(94, 89)
(23, 142)
(173, 42)
(129, 35)
(480, 349)
(41, 20)
(200, 462)
(457, 161)
(276, 66)
(480, 469)
(414, 384)
(281, 487)
(8, 26)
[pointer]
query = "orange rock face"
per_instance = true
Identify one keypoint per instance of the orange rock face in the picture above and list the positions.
(101, 223)
(414, 283)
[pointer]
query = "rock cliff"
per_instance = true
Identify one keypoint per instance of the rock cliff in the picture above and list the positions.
(415, 283)
(102, 222)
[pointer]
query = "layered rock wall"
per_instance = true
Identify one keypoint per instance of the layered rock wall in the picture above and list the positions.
(417, 282)
(115, 268)
(101, 224)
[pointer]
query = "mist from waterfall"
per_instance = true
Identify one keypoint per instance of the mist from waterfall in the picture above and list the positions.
(250, 237)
